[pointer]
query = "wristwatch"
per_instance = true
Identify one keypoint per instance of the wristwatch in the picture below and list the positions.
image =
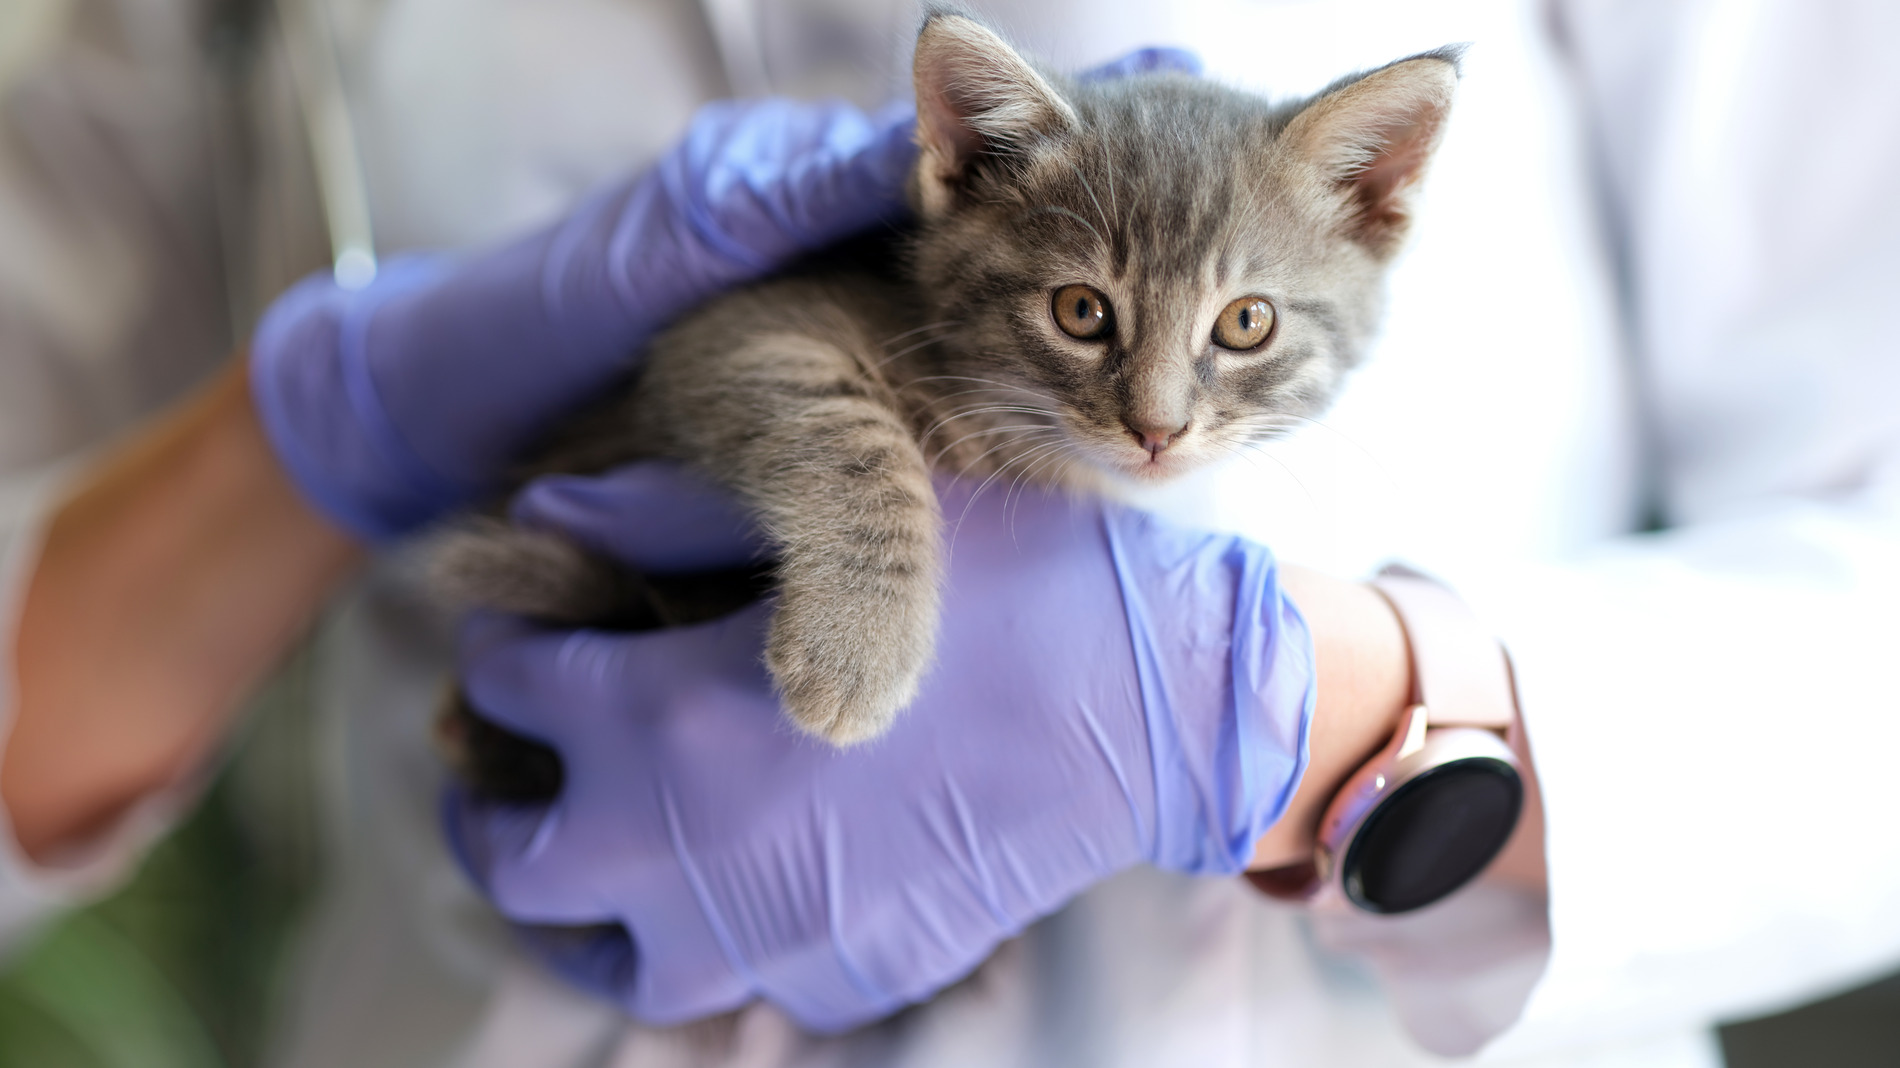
(1433, 808)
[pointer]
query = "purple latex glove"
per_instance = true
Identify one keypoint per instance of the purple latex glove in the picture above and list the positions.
(395, 403)
(1109, 690)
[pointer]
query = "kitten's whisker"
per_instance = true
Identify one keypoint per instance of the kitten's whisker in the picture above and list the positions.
(920, 329)
(1021, 428)
(981, 406)
(970, 378)
(1288, 421)
(985, 407)
(1068, 462)
(965, 469)
(1257, 448)
(972, 502)
(979, 410)
(927, 385)
(1051, 451)
(1276, 421)
(945, 422)
(968, 392)
(1233, 448)
(1024, 457)
(1090, 190)
(906, 351)
(1065, 443)
(1051, 209)
(1239, 449)
(1066, 459)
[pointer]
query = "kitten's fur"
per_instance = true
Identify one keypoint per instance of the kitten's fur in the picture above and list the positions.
(825, 399)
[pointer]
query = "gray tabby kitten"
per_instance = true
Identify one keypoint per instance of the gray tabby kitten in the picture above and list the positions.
(1114, 280)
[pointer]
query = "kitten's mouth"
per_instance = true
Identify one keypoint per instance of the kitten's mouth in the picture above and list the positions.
(1154, 466)
(1125, 457)
(1159, 467)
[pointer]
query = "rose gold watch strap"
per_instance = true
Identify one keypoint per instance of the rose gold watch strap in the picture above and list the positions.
(1463, 679)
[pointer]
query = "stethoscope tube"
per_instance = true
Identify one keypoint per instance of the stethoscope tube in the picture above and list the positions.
(316, 64)
(342, 184)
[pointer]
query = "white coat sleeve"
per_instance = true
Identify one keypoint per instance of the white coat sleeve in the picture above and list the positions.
(111, 304)
(1712, 708)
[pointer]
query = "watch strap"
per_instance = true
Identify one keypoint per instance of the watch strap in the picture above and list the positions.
(1461, 674)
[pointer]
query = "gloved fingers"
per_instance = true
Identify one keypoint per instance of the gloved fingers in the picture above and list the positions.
(656, 516)
(313, 392)
(760, 183)
(669, 960)
(1157, 60)
(696, 948)
(597, 957)
(848, 185)
(503, 662)
(689, 963)
(551, 684)
(505, 850)
(867, 969)
(828, 996)
(667, 965)
(613, 690)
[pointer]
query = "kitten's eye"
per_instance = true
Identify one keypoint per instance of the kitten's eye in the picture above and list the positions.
(1244, 324)
(1081, 312)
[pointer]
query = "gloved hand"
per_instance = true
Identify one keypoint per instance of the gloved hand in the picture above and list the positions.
(1109, 690)
(393, 404)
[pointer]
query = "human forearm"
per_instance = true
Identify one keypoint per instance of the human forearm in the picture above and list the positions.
(167, 585)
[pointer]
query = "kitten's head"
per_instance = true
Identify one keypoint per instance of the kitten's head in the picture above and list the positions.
(1160, 268)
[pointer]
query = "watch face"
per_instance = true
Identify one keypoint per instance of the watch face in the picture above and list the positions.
(1433, 834)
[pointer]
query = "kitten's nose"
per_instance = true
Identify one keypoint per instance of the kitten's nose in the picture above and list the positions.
(1154, 437)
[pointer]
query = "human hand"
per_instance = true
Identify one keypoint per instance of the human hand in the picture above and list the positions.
(395, 403)
(1109, 691)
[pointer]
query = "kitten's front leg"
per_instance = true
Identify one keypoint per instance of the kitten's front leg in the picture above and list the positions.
(788, 416)
(848, 498)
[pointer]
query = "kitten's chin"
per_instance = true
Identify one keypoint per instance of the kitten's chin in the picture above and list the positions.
(1150, 470)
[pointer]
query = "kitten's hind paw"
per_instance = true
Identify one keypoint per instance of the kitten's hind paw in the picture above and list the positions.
(492, 761)
(487, 563)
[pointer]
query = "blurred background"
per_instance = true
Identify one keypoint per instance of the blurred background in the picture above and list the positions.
(181, 967)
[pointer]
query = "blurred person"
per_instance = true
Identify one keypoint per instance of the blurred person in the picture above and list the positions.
(1499, 436)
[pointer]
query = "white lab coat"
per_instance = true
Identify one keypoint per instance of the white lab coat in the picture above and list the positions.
(1709, 707)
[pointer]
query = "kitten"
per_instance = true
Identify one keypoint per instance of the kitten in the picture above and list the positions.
(1109, 280)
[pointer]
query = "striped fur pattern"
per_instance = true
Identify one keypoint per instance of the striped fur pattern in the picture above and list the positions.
(825, 400)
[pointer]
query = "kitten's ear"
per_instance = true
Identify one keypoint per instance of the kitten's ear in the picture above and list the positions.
(975, 96)
(1371, 136)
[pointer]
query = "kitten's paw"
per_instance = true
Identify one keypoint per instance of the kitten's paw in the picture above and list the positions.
(846, 666)
(487, 563)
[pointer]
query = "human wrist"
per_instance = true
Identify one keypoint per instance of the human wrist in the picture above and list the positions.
(1364, 670)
